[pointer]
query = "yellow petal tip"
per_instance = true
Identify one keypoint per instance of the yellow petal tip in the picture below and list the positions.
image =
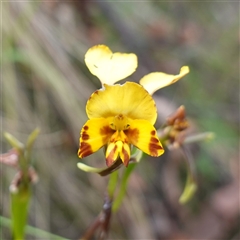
(157, 80)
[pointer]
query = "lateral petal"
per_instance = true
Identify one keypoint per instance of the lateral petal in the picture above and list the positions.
(94, 134)
(156, 80)
(110, 67)
(143, 135)
(125, 154)
(112, 153)
(129, 99)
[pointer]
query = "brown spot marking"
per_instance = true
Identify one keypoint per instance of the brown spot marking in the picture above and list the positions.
(154, 146)
(109, 159)
(132, 135)
(126, 157)
(154, 140)
(85, 149)
(85, 127)
(153, 132)
(84, 136)
(106, 132)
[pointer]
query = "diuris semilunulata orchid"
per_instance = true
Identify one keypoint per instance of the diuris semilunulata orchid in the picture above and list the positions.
(121, 115)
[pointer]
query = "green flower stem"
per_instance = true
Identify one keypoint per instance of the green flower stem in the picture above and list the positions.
(123, 187)
(36, 232)
(189, 190)
(19, 206)
(113, 180)
(112, 184)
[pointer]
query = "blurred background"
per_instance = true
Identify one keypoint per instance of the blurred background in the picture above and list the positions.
(46, 84)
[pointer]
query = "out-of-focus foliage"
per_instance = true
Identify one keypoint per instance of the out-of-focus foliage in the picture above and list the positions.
(46, 84)
(20, 188)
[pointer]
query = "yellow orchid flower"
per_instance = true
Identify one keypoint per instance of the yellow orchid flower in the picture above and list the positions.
(121, 115)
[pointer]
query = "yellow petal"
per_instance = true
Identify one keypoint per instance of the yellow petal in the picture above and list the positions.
(112, 152)
(125, 154)
(143, 135)
(94, 134)
(110, 67)
(129, 99)
(156, 80)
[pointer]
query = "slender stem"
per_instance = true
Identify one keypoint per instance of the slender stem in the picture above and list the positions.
(199, 137)
(190, 163)
(190, 186)
(112, 184)
(123, 187)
